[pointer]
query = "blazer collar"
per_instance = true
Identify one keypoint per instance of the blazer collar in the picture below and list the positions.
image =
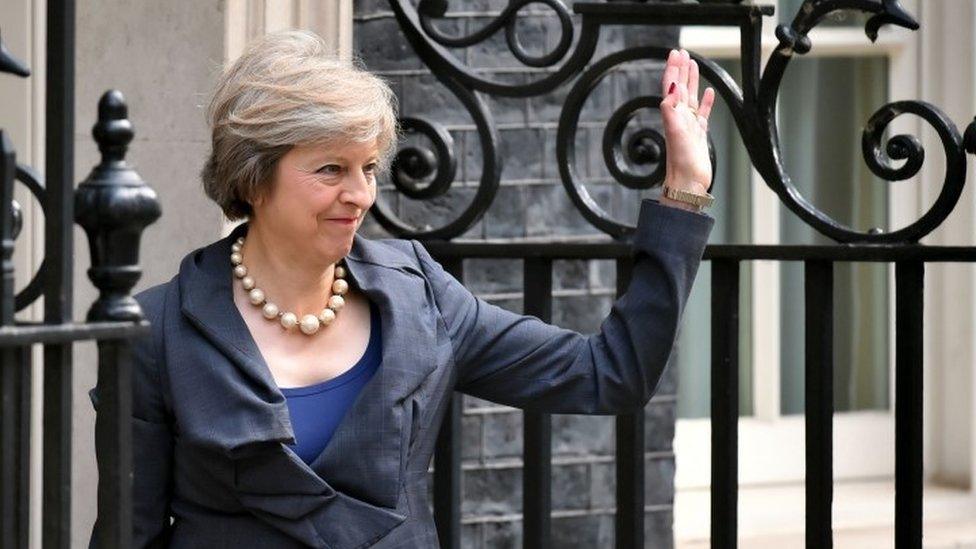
(365, 456)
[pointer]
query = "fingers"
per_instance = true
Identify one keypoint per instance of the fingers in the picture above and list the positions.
(683, 59)
(708, 99)
(681, 70)
(670, 72)
(668, 108)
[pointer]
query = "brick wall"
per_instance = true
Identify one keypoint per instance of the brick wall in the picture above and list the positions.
(532, 203)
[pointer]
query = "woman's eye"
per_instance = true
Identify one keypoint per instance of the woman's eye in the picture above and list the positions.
(330, 169)
(370, 168)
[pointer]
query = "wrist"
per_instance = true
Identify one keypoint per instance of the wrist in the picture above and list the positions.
(686, 184)
(698, 200)
(665, 201)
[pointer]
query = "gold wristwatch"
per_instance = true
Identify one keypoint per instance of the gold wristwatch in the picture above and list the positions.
(700, 200)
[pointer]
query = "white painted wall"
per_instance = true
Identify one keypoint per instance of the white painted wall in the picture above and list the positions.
(948, 79)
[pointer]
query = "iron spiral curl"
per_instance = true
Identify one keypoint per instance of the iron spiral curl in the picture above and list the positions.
(508, 18)
(432, 45)
(419, 172)
(879, 157)
(422, 173)
(909, 148)
(644, 146)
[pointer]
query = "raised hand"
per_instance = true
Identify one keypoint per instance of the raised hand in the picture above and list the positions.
(685, 127)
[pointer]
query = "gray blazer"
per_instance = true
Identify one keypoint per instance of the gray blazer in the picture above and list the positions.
(209, 422)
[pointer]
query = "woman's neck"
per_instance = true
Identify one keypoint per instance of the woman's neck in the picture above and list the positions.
(290, 279)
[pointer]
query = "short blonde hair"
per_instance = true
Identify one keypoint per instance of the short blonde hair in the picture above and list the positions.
(287, 89)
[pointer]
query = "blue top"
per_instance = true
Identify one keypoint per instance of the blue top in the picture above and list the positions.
(316, 410)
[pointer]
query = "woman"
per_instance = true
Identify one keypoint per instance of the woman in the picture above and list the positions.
(290, 392)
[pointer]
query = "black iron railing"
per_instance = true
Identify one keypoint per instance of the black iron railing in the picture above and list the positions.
(426, 173)
(113, 205)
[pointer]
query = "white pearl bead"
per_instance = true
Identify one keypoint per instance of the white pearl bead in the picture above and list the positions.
(240, 240)
(235, 247)
(327, 316)
(270, 311)
(336, 302)
(236, 258)
(340, 272)
(248, 283)
(257, 296)
(288, 321)
(309, 324)
(240, 271)
(340, 286)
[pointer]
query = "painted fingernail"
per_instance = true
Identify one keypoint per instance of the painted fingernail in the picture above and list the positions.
(671, 88)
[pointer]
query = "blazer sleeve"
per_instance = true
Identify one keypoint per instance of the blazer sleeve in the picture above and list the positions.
(521, 361)
(152, 439)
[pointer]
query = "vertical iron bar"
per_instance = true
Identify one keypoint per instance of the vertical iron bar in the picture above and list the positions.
(8, 169)
(14, 379)
(725, 403)
(447, 458)
(113, 443)
(819, 401)
(56, 435)
(15, 382)
(629, 520)
(537, 426)
(59, 255)
(59, 163)
(909, 306)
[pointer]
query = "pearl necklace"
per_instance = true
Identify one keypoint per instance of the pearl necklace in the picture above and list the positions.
(309, 324)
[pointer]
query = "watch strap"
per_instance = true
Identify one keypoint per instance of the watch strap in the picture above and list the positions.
(700, 200)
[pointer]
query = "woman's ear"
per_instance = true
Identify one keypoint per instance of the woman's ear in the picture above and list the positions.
(257, 197)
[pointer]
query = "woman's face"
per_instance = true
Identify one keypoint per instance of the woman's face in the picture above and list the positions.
(319, 197)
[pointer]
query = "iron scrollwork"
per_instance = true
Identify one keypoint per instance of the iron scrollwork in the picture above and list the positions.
(644, 146)
(752, 106)
(35, 184)
(880, 158)
(423, 173)
(113, 205)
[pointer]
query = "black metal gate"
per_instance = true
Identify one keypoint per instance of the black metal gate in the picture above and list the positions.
(114, 206)
(426, 174)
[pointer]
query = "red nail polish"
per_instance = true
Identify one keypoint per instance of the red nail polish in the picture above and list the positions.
(671, 88)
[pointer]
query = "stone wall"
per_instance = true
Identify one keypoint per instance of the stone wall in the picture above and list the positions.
(532, 203)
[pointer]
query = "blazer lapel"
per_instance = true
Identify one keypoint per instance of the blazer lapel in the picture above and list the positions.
(368, 449)
(255, 408)
(360, 470)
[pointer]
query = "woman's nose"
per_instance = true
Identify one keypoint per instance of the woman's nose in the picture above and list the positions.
(358, 190)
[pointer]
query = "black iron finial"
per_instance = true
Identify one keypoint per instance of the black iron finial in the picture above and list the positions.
(892, 13)
(9, 63)
(113, 131)
(114, 205)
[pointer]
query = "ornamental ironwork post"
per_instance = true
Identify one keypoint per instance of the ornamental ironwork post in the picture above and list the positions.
(114, 206)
